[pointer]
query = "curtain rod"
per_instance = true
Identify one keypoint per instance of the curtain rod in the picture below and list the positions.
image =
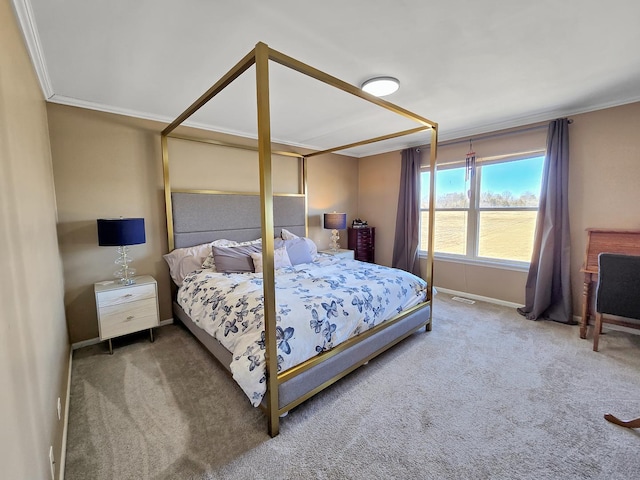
(490, 135)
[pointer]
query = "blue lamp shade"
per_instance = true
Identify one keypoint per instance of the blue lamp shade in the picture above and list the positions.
(335, 221)
(120, 232)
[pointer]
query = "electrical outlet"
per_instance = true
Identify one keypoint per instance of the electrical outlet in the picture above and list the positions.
(52, 461)
(59, 409)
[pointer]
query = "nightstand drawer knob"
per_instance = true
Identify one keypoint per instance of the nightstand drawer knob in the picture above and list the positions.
(130, 317)
(128, 295)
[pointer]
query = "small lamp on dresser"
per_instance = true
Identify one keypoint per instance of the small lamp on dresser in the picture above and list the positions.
(122, 232)
(334, 222)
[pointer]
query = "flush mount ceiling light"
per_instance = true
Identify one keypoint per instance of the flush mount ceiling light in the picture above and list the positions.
(381, 86)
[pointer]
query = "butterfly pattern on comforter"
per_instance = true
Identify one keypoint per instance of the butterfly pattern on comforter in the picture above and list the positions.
(318, 305)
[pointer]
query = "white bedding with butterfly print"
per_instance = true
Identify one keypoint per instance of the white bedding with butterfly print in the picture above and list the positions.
(318, 305)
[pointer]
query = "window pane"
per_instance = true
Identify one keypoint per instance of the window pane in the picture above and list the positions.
(424, 189)
(506, 235)
(451, 190)
(450, 233)
(511, 184)
(424, 231)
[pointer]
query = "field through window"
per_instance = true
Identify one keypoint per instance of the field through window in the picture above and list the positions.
(491, 215)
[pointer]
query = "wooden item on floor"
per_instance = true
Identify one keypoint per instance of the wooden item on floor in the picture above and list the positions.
(630, 424)
(602, 240)
(362, 242)
(124, 309)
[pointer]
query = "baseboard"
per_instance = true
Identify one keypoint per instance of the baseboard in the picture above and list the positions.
(497, 301)
(65, 426)
(85, 343)
(94, 341)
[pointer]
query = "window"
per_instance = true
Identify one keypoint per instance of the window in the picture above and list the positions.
(491, 216)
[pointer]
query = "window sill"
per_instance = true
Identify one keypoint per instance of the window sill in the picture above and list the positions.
(502, 265)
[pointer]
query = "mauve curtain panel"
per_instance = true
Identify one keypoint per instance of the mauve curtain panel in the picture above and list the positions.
(405, 245)
(548, 288)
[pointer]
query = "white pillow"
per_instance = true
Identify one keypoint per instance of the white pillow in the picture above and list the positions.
(287, 235)
(209, 261)
(280, 259)
(183, 261)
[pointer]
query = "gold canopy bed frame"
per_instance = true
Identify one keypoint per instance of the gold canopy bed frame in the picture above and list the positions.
(260, 57)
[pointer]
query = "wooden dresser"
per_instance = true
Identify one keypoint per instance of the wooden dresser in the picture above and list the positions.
(362, 242)
(626, 242)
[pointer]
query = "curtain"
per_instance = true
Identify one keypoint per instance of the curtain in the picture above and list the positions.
(548, 288)
(405, 245)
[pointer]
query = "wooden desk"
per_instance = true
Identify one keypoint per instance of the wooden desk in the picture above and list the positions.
(599, 240)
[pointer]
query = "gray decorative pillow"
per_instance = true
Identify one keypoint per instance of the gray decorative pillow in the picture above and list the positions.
(209, 262)
(287, 237)
(297, 249)
(235, 259)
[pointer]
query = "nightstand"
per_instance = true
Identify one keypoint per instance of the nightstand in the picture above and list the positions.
(340, 253)
(124, 309)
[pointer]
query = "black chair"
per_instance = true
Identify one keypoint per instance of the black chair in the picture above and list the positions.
(618, 292)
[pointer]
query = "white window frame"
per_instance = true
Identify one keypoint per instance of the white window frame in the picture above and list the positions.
(473, 215)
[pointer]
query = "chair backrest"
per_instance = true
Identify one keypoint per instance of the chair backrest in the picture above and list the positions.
(618, 291)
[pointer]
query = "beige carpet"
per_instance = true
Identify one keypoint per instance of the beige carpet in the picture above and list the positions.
(485, 395)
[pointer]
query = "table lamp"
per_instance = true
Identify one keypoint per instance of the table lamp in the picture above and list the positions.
(334, 222)
(120, 233)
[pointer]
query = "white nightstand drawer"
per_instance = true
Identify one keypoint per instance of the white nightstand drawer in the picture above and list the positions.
(120, 296)
(124, 309)
(128, 317)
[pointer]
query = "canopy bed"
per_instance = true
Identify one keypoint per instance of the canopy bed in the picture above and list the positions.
(262, 226)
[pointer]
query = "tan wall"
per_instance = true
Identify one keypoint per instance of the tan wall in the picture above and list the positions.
(604, 175)
(332, 186)
(34, 346)
(104, 166)
(487, 281)
(332, 179)
(604, 178)
(379, 184)
(109, 165)
(188, 158)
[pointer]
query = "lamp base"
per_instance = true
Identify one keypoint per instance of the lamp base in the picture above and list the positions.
(334, 246)
(125, 274)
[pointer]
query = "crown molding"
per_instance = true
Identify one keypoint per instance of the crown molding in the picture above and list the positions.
(517, 122)
(74, 102)
(443, 134)
(25, 16)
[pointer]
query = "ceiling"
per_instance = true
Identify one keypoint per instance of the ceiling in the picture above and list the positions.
(473, 67)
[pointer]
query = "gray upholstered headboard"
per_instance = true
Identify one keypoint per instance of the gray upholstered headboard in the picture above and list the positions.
(204, 217)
